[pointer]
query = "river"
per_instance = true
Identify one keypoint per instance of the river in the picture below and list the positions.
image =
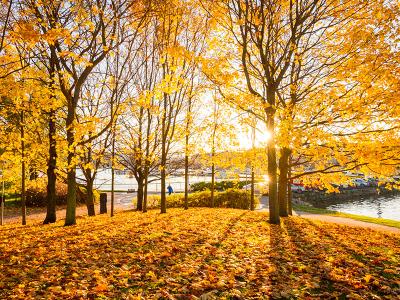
(124, 182)
(386, 207)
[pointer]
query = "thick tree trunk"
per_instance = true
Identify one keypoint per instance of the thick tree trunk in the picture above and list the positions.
(272, 187)
(90, 198)
(139, 206)
(283, 182)
(290, 194)
(70, 218)
(51, 174)
(252, 189)
(272, 165)
(23, 171)
(51, 216)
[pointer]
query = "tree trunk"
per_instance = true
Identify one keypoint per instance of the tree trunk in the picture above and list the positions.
(163, 162)
(212, 202)
(70, 218)
(252, 189)
(290, 194)
(51, 174)
(186, 204)
(23, 171)
(3, 198)
(90, 198)
(283, 182)
(51, 216)
(272, 165)
(112, 173)
(163, 195)
(188, 122)
(146, 178)
(146, 165)
(163, 152)
(139, 206)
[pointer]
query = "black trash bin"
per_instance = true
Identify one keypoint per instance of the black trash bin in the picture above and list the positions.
(103, 203)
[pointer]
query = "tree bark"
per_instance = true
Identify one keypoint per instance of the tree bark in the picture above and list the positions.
(283, 182)
(90, 198)
(51, 216)
(144, 208)
(70, 218)
(252, 189)
(214, 133)
(23, 171)
(163, 152)
(212, 202)
(112, 172)
(163, 195)
(188, 122)
(272, 165)
(139, 206)
(51, 174)
(290, 194)
(186, 204)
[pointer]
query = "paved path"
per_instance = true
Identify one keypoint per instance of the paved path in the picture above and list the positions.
(346, 221)
(263, 206)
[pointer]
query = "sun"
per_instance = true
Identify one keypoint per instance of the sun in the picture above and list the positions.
(261, 139)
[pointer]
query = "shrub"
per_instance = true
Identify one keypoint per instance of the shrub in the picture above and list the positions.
(219, 186)
(231, 198)
(36, 194)
(82, 195)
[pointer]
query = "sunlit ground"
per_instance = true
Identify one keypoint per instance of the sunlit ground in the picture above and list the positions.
(225, 252)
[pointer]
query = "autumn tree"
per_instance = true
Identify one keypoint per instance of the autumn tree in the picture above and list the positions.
(78, 50)
(332, 110)
(276, 41)
(179, 45)
(139, 144)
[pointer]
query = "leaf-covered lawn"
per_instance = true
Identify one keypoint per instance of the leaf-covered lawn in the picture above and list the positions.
(227, 253)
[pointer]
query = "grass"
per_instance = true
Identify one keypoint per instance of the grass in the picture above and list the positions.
(184, 254)
(13, 201)
(322, 211)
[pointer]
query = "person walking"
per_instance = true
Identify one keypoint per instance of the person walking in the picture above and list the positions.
(170, 190)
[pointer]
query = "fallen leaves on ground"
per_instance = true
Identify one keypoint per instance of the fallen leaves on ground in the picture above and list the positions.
(217, 253)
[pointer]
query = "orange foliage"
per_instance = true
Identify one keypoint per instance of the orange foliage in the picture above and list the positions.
(230, 253)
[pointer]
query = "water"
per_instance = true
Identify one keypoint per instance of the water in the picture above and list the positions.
(124, 182)
(386, 207)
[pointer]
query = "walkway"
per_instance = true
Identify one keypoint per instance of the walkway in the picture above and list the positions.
(263, 206)
(346, 221)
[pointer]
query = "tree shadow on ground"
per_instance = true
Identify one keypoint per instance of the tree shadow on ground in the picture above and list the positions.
(364, 258)
(301, 270)
(234, 254)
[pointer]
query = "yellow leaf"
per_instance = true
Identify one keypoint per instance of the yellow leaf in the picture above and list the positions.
(367, 278)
